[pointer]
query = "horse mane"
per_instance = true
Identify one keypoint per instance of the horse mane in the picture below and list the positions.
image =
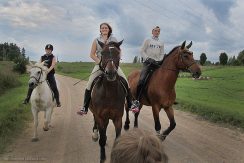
(166, 55)
(40, 65)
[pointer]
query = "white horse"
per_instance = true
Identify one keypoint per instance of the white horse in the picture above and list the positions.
(41, 98)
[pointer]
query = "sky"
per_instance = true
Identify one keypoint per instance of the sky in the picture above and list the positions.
(214, 26)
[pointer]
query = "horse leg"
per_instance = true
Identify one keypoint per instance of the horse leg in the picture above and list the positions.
(170, 113)
(48, 119)
(136, 117)
(118, 125)
(45, 126)
(127, 121)
(102, 141)
(95, 131)
(35, 115)
(157, 126)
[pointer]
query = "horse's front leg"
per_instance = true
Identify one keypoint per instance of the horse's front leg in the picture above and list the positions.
(127, 121)
(102, 141)
(170, 113)
(35, 116)
(118, 125)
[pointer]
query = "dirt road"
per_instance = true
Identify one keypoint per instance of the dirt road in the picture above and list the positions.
(69, 140)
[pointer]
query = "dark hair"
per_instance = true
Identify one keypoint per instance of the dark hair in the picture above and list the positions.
(138, 146)
(109, 27)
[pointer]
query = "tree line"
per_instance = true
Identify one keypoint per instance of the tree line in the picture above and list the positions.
(11, 52)
(224, 59)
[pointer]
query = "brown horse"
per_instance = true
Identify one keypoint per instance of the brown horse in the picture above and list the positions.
(160, 92)
(108, 95)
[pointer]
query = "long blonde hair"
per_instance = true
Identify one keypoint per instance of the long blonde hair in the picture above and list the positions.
(138, 146)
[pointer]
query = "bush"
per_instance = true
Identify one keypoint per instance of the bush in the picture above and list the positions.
(8, 80)
(20, 64)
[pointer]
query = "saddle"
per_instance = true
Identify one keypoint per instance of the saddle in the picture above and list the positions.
(121, 79)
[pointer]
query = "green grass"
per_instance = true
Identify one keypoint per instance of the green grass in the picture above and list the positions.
(82, 70)
(8, 79)
(220, 99)
(13, 114)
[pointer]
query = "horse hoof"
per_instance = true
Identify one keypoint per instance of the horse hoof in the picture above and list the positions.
(45, 129)
(126, 127)
(95, 135)
(95, 139)
(161, 137)
(34, 139)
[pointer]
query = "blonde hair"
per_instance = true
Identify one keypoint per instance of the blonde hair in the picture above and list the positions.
(138, 146)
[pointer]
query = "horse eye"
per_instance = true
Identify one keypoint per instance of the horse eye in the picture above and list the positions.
(38, 72)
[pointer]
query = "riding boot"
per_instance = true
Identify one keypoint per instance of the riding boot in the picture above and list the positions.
(27, 99)
(87, 99)
(56, 96)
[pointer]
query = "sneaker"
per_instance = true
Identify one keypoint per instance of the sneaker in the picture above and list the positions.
(135, 106)
(82, 112)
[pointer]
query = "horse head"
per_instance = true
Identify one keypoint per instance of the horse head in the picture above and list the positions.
(110, 59)
(38, 74)
(186, 62)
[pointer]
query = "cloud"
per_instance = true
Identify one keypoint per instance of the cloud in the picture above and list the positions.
(71, 26)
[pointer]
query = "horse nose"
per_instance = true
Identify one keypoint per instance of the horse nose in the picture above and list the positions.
(31, 84)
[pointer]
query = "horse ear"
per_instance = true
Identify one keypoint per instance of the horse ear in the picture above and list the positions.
(100, 43)
(183, 45)
(119, 43)
(189, 45)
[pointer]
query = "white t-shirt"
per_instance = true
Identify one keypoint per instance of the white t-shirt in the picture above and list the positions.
(152, 48)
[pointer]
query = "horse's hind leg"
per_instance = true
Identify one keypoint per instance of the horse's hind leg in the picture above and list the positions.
(170, 113)
(47, 120)
(35, 115)
(127, 121)
(95, 131)
(156, 111)
(136, 117)
(102, 141)
(118, 125)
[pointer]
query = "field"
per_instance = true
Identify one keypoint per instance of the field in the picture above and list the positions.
(12, 113)
(219, 99)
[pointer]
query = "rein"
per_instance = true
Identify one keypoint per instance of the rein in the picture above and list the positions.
(177, 70)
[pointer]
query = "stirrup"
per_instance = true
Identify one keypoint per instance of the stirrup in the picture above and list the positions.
(82, 112)
(135, 106)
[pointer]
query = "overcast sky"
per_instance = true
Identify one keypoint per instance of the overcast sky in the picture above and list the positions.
(214, 26)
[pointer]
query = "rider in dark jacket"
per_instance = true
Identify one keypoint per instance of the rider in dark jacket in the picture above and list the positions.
(50, 60)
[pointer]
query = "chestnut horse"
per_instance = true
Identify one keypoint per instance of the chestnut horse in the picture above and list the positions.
(108, 95)
(160, 91)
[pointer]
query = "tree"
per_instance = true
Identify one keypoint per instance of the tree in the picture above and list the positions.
(203, 58)
(240, 57)
(223, 58)
(135, 59)
(23, 52)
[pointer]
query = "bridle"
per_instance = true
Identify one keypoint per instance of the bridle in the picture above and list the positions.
(39, 77)
(187, 66)
(103, 66)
